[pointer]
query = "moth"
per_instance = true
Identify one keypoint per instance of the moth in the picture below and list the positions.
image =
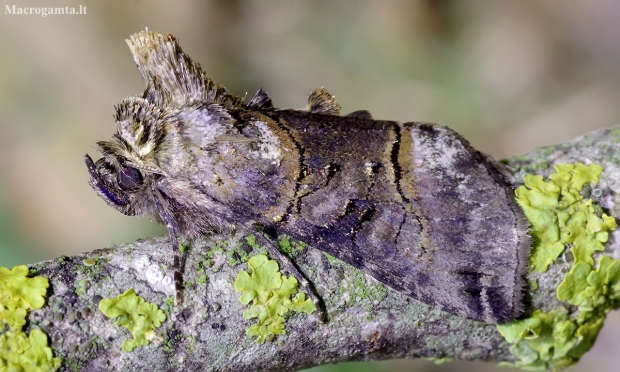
(411, 204)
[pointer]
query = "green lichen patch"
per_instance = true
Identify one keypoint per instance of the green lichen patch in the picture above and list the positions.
(20, 351)
(215, 258)
(593, 291)
(561, 217)
(549, 340)
(253, 244)
(270, 296)
(141, 318)
(289, 246)
(357, 288)
(251, 240)
(354, 287)
(536, 161)
(237, 255)
(18, 294)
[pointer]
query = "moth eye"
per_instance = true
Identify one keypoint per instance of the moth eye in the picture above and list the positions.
(128, 178)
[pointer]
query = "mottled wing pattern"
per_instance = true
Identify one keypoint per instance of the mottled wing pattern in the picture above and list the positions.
(414, 206)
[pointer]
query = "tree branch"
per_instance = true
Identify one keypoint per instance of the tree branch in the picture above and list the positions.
(367, 321)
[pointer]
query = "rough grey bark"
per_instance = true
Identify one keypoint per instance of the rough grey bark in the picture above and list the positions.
(367, 321)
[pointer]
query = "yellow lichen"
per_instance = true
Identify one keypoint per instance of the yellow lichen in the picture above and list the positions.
(269, 295)
(20, 351)
(561, 217)
(141, 318)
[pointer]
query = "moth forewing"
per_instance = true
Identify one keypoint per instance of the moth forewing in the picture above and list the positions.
(411, 204)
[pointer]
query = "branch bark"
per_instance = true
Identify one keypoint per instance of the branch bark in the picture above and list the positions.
(367, 321)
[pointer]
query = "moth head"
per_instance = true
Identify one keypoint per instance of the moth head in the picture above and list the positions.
(127, 165)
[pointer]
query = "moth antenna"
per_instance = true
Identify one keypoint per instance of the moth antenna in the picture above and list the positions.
(289, 265)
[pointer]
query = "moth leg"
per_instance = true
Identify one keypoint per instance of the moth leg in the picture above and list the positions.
(288, 265)
(165, 213)
(176, 268)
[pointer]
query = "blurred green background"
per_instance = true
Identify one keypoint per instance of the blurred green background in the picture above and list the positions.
(508, 75)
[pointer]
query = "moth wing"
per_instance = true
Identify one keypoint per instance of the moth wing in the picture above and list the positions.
(362, 114)
(416, 207)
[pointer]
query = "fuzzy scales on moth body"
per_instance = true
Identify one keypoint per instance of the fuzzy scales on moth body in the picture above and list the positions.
(412, 204)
